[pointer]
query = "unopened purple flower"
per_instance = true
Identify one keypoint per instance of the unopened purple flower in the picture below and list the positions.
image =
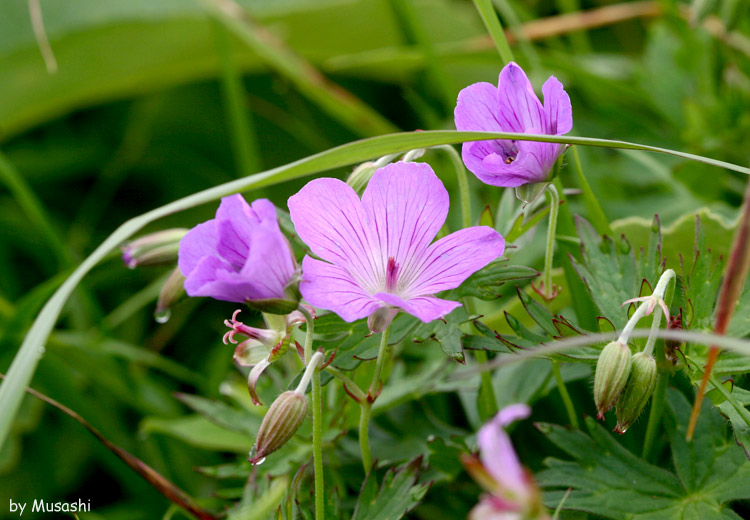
(240, 256)
(377, 255)
(512, 492)
(513, 106)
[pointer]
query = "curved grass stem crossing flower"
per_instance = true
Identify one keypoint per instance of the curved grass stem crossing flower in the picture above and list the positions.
(513, 106)
(241, 256)
(377, 254)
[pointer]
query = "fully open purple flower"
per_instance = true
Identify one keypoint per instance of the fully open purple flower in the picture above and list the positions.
(240, 256)
(513, 106)
(377, 252)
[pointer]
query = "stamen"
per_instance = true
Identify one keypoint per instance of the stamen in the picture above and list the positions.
(509, 160)
(391, 275)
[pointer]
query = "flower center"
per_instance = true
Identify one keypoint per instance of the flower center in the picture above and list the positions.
(391, 275)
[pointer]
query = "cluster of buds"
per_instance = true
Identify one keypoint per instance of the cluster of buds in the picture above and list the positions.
(512, 492)
(629, 379)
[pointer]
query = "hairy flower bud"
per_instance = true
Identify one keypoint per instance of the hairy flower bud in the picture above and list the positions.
(637, 392)
(612, 371)
(153, 249)
(172, 290)
(284, 417)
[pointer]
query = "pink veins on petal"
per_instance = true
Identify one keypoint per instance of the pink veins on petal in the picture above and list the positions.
(377, 252)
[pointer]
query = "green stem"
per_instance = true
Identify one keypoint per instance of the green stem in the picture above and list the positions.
(463, 184)
(596, 213)
(657, 403)
(567, 401)
(317, 413)
(551, 230)
(350, 385)
(364, 435)
(366, 404)
(492, 23)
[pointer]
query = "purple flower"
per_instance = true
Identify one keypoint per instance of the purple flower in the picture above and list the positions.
(513, 494)
(513, 106)
(240, 256)
(377, 252)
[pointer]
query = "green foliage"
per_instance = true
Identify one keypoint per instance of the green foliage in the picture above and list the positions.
(608, 480)
(399, 493)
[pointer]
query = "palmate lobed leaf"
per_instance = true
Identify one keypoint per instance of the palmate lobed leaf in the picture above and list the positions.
(608, 480)
(399, 493)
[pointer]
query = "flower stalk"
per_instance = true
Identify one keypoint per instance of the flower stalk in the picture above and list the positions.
(549, 291)
(366, 405)
(313, 362)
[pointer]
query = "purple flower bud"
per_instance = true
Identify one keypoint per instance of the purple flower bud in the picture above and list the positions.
(513, 106)
(241, 256)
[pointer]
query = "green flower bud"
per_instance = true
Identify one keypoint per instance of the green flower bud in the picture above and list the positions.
(282, 420)
(153, 249)
(637, 392)
(172, 290)
(360, 176)
(612, 371)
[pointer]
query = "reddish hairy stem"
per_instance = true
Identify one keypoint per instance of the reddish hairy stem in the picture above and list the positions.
(731, 287)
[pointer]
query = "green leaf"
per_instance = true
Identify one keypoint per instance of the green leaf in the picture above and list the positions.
(222, 414)
(399, 493)
(610, 481)
(485, 283)
(608, 272)
(200, 432)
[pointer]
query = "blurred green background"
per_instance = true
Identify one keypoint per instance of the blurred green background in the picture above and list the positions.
(152, 100)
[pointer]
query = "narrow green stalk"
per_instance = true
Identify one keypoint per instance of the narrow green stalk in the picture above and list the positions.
(364, 435)
(366, 404)
(657, 402)
(516, 29)
(317, 413)
(596, 213)
(353, 388)
(463, 184)
(492, 23)
(241, 132)
(551, 230)
(567, 401)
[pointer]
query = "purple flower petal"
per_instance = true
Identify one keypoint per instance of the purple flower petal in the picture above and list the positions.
(518, 106)
(557, 107)
(332, 288)
(199, 242)
(426, 308)
(239, 256)
(515, 108)
(271, 266)
(497, 454)
(476, 109)
(407, 205)
(454, 258)
(330, 219)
